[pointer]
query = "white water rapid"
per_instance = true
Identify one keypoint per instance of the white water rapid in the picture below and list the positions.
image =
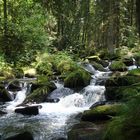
(54, 119)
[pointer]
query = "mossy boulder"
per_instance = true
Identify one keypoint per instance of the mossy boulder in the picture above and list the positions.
(121, 93)
(134, 72)
(66, 66)
(86, 131)
(125, 80)
(97, 66)
(118, 66)
(122, 88)
(77, 79)
(40, 90)
(101, 113)
(4, 94)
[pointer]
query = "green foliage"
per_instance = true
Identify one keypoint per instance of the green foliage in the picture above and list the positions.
(118, 66)
(27, 31)
(127, 125)
(135, 72)
(64, 63)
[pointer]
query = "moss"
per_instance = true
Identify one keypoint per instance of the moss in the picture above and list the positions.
(118, 66)
(66, 66)
(121, 93)
(77, 78)
(101, 113)
(125, 80)
(134, 72)
(122, 88)
(97, 66)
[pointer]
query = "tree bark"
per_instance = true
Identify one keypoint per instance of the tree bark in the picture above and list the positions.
(5, 16)
(138, 14)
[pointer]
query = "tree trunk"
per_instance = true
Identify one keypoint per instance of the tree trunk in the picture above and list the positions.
(138, 14)
(5, 16)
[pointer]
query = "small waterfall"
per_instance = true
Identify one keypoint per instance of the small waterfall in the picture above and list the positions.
(74, 100)
(53, 119)
(93, 94)
(20, 97)
(88, 67)
(134, 66)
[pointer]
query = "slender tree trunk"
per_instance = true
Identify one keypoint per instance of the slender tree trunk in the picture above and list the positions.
(110, 39)
(138, 14)
(5, 17)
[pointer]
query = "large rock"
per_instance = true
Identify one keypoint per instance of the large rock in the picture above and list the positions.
(86, 131)
(5, 95)
(22, 136)
(101, 113)
(29, 110)
(77, 79)
(122, 87)
(14, 86)
(128, 61)
(118, 66)
(97, 66)
(39, 92)
(2, 113)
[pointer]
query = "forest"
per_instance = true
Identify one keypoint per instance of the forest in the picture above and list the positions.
(69, 69)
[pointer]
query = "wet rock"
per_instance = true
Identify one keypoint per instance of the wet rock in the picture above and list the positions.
(97, 66)
(101, 113)
(86, 131)
(29, 110)
(22, 136)
(98, 104)
(128, 61)
(77, 79)
(2, 113)
(14, 86)
(58, 139)
(55, 100)
(5, 95)
(60, 92)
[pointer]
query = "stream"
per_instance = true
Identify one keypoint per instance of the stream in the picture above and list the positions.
(54, 119)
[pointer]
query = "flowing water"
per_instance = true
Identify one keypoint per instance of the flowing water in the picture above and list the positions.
(54, 119)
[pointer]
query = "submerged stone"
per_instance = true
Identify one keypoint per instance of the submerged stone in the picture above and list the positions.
(22, 136)
(29, 110)
(86, 131)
